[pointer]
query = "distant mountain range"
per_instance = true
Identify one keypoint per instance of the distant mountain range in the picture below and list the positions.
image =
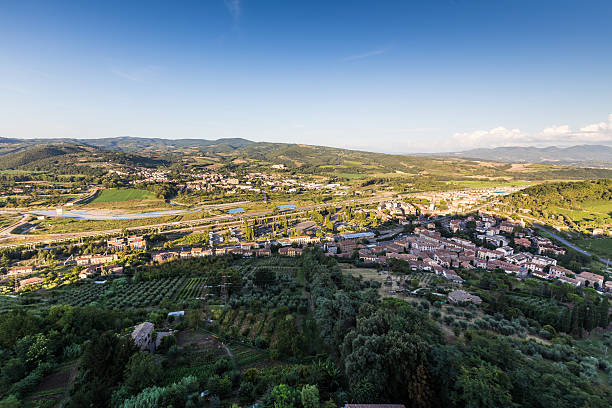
(235, 154)
(581, 155)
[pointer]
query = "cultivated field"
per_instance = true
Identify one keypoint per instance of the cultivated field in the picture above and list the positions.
(123, 294)
(132, 199)
(371, 274)
(114, 195)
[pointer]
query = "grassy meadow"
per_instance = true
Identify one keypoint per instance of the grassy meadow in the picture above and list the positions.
(114, 195)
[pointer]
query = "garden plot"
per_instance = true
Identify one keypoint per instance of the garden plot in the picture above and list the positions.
(371, 274)
(124, 294)
(247, 357)
(194, 288)
(54, 387)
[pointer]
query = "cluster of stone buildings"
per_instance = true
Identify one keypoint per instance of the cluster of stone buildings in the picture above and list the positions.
(460, 200)
(247, 248)
(254, 182)
(134, 242)
(95, 259)
(427, 250)
(93, 270)
(21, 270)
(398, 210)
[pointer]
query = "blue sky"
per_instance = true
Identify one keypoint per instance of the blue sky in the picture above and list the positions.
(392, 76)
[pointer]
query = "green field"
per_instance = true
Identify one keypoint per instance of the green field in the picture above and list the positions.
(58, 225)
(352, 176)
(574, 215)
(114, 195)
(598, 206)
(488, 183)
(598, 211)
(598, 246)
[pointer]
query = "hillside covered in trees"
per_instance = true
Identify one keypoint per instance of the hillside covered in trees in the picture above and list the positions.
(580, 205)
(301, 333)
(244, 155)
(570, 194)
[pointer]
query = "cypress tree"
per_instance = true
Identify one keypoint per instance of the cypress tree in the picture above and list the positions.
(604, 313)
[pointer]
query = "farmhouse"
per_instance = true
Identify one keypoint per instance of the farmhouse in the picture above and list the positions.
(290, 251)
(95, 259)
(137, 242)
(21, 270)
(590, 279)
(88, 272)
(165, 256)
(30, 281)
(143, 335)
(571, 281)
(558, 271)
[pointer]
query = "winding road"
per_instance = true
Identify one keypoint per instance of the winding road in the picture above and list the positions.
(569, 244)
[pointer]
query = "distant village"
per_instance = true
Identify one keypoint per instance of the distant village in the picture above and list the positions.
(232, 183)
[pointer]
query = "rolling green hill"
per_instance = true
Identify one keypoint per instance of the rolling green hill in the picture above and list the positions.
(69, 158)
(581, 206)
(242, 155)
(35, 154)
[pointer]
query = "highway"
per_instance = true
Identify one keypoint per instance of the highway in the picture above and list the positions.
(220, 221)
(190, 225)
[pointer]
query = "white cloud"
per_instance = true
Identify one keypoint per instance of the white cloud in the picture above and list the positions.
(364, 55)
(560, 135)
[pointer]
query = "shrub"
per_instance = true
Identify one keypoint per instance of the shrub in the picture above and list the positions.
(223, 364)
(220, 386)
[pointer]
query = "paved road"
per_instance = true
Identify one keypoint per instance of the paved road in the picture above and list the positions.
(9, 230)
(563, 240)
(569, 244)
(216, 221)
(190, 225)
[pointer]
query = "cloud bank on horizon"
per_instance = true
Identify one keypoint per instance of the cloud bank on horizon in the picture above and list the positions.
(557, 135)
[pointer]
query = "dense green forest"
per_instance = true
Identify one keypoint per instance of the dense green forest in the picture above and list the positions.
(301, 333)
(67, 158)
(565, 194)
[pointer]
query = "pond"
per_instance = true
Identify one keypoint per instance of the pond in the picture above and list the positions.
(235, 210)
